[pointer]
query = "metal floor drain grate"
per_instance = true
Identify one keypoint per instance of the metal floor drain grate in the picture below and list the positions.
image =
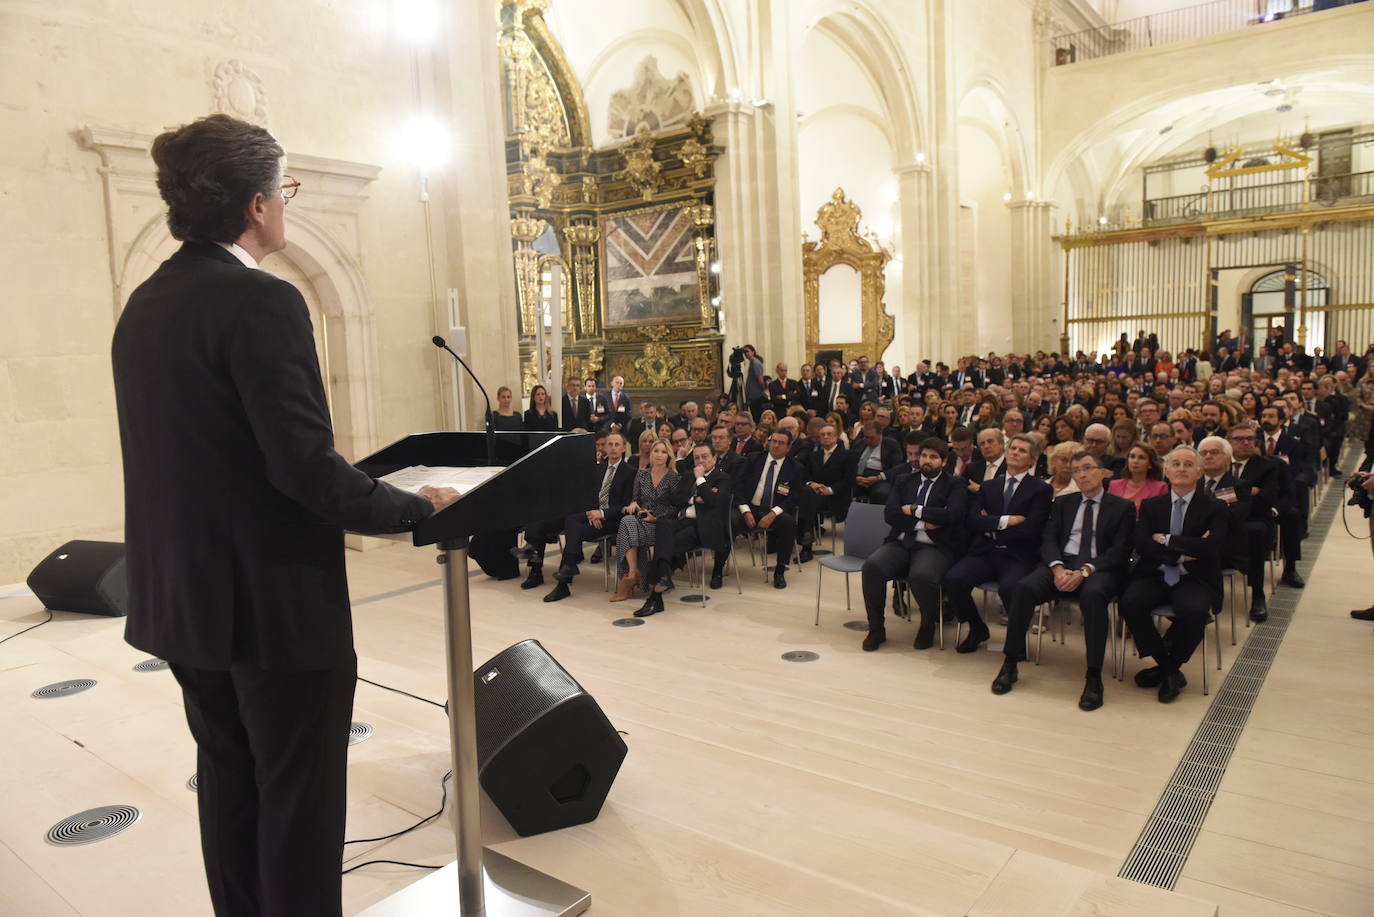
(801, 656)
(151, 665)
(359, 732)
(63, 688)
(194, 783)
(91, 825)
(1162, 849)
(627, 622)
(856, 625)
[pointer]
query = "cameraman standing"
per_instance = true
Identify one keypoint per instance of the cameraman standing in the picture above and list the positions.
(754, 392)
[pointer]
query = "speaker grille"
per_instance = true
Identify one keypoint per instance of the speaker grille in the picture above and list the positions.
(507, 704)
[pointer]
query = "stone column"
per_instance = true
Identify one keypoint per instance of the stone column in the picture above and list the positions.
(950, 334)
(1034, 294)
(919, 320)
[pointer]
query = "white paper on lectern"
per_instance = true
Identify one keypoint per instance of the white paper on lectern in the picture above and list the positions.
(460, 479)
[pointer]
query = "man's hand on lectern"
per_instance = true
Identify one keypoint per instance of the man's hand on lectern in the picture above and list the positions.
(439, 497)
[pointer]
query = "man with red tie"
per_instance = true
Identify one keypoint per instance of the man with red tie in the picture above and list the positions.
(618, 406)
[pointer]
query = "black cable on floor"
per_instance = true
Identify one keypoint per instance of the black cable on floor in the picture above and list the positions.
(443, 804)
(31, 627)
(392, 862)
(406, 693)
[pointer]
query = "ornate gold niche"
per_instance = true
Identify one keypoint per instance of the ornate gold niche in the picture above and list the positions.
(558, 179)
(841, 244)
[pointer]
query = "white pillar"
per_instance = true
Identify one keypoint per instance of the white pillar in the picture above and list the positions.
(1034, 287)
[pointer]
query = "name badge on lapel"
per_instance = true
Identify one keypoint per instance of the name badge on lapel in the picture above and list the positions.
(783, 490)
(1226, 494)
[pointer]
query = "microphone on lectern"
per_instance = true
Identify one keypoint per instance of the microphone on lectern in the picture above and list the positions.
(491, 420)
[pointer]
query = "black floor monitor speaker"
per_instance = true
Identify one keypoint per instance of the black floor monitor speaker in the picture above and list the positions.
(83, 576)
(546, 754)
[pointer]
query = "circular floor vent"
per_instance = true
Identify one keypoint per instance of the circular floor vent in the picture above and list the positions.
(91, 825)
(63, 688)
(801, 656)
(359, 732)
(194, 783)
(627, 622)
(151, 665)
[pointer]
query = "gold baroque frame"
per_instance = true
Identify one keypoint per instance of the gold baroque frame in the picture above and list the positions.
(841, 244)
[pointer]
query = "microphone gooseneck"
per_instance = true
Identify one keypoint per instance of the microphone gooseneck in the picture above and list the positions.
(439, 342)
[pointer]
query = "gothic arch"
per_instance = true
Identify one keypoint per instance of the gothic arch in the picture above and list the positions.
(1008, 135)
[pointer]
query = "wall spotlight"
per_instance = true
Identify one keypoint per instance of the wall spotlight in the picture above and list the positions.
(920, 158)
(1006, 195)
(715, 267)
(1102, 221)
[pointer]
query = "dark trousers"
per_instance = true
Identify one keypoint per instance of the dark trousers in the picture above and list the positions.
(923, 567)
(998, 566)
(878, 493)
(1292, 529)
(1258, 536)
(272, 759)
(808, 513)
(1334, 443)
(688, 539)
(1192, 604)
(782, 533)
(576, 529)
(538, 535)
(1094, 595)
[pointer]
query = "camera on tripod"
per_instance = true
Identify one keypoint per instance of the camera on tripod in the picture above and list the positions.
(735, 369)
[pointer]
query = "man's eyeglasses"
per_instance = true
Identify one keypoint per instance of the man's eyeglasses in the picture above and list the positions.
(289, 188)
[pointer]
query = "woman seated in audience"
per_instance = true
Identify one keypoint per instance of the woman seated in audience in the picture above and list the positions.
(541, 415)
(653, 492)
(1164, 363)
(769, 418)
(1044, 425)
(949, 420)
(986, 417)
(647, 439)
(835, 420)
(722, 402)
(1065, 430)
(1117, 413)
(1250, 404)
(1142, 477)
(1124, 436)
(1061, 468)
(503, 416)
(867, 411)
(665, 429)
(1099, 414)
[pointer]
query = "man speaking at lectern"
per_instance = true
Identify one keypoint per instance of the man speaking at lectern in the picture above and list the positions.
(235, 506)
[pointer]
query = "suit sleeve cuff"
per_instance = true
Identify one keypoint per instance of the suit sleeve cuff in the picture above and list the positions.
(744, 507)
(777, 511)
(1056, 563)
(1002, 522)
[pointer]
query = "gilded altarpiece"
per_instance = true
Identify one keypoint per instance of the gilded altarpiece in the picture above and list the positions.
(841, 244)
(634, 225)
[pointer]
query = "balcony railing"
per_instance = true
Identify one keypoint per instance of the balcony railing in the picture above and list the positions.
(1228, 203)
(1179, 25)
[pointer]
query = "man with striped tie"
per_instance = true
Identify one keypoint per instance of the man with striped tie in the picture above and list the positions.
(1179, 536)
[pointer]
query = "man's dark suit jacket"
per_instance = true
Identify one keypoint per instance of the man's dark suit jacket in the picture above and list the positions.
(1032, 499)
(1113, 532)
(617, 413)
(713, 499)
(889, 453)
(833, 473)
(946, 507)
(235, 499)
(809, 394)
(1236, 496)
(751, 446)
(1205, 517)
(786, 486)
(602, 412)
(635, 429)
(854, 395)
(784, 394)
(1265, 477)
(574, 413)
(622, 487)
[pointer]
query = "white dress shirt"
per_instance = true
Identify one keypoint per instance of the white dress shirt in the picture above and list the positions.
(238, 252)
(763, 477)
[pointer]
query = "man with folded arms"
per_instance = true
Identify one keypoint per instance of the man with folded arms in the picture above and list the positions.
(1086, 551)
(1179, 537)
(926, 512)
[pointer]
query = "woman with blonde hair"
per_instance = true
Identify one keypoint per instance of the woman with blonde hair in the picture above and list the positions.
(652, 499)
(1142, 477)
(646, 439)
(1061, 468)
(1125, 434)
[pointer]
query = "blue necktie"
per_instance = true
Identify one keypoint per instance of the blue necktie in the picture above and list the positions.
(1007, 494)
(1172, 572)
(909, 539)
(768, 485)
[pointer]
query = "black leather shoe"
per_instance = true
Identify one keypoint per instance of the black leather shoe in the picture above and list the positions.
(652, 606)
(1259, 609)
(1173, 683)
(805, 554)
(1149, 678)
(1291, 578)
(560, 592)
(779, 581)
(597, 556)
(665, 585)
(1363, 614)
(1005, 678)
(536, 578)
(977, 633)
(875, 639)
(717, 579)
(1335, 473)
(1091, 698)
(566, 572)
(925, 637)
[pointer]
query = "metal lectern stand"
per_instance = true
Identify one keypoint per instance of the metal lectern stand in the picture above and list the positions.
(536, 485)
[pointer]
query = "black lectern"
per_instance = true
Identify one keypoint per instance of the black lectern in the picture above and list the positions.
(540, 476)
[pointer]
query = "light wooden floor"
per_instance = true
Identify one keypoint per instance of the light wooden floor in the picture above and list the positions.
(868, 784)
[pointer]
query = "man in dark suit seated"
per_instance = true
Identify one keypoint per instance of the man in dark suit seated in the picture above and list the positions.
(1179, 538)
(726, 459)
(870, 460)
(744, 442)
(617, 476)
(235, 504)
(704, 492)
(827, 481)
(647, 420)
(1097, 439)
(1264, 478)
(1218, 481)
(1290, 450)
(768, 493)
(926, 512)
(1086, 553)
(837, 387)
(1008, 518)
(990, 462)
